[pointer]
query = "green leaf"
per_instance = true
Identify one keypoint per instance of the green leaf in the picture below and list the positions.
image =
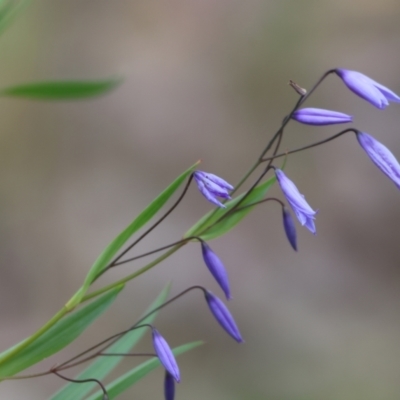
(61, 90)
(149, 212)
(124, 382)
(9, 9)
(58, 336)
(104, 365)
(201, 227)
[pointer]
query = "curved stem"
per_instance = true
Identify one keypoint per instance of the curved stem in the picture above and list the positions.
(114, 262)
(105, 394)
(312, 145)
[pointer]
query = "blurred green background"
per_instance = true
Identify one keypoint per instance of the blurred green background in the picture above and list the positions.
(206, 79)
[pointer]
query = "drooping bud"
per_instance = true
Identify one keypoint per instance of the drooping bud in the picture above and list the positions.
(381, 156)
(304, 213)
(318, 116)
(212, 186)
(169, 386)
(290, 228)
(165, 355)
(223, 316)
(217, 269)
(368, 89)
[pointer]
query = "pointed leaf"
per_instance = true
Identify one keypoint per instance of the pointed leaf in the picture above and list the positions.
(61, 90)
(104, 365)
(111, 250)
(59, 335)
(201, 227)
(124, 382)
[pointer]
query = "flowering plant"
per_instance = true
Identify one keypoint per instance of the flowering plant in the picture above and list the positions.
(228, 209)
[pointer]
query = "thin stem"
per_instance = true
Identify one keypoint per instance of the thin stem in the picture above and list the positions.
(312, 145)
(67, 364)
(105, 394)
(112, 339)
(128, 354)
(114, 262)
(131, 276)
(182, 241)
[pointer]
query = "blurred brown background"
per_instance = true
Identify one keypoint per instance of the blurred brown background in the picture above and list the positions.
(206, 79)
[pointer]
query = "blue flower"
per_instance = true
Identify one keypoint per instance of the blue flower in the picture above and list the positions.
(212, 186)
(290, 228)
(318, 116)
(368, 89)
(304, 213)
(165, 355)
(222, 315)
(381, 156)
(169, 386)
(217, 269)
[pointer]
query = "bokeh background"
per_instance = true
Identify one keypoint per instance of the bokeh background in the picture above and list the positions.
(206, 79)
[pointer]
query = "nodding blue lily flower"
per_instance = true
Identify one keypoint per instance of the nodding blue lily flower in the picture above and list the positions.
(290, 228)
(222, 315)
(381, 156)
(169, 386)
(304, 213)
(217, 269)
(165, 355)
(212, 186)
(318, 116)
(368, 89)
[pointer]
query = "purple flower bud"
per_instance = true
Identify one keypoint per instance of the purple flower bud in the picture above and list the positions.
(290, 228)
(365, 87)
(217, 269)
(304, 213)
(318, 116)
(212, 186)
(223, 316)
(169, 386)
(381, 156)
(165, 354)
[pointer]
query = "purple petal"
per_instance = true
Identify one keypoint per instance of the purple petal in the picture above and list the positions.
(165, 355)
(381, 156)
(317, 116)
(368, 89)
(219, 181)
(208, 195)
(169, 386)
(304, 213)
(217, 269)
(290, 228)
(223, 316)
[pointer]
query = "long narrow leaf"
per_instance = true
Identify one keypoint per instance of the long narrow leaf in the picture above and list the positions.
(58, 336)
(124, 382)
(61, 90)
(104, 365)
(201, 228)
(110, 251)
(9, 9)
